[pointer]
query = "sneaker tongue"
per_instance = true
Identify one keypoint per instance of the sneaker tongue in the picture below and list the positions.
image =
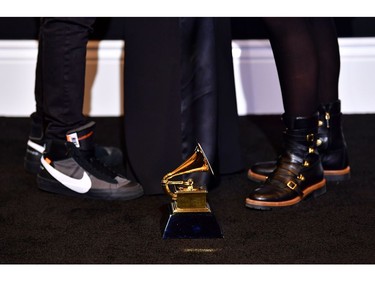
(82, 137)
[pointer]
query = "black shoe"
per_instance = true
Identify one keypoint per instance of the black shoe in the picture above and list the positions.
(331, 146)
(110, 156)
(71, 168)
(298, 173)
(331, 143)
(34, 152)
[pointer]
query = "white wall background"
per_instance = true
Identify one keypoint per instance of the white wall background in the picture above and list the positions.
(257, 85)
(256, 79)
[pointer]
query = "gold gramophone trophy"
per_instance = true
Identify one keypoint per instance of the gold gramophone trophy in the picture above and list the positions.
(189, 214)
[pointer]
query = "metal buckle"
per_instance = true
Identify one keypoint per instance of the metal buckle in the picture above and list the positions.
(291, 184)
(319, 142)
(310, 137)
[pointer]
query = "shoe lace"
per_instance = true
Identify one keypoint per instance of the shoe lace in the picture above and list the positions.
(88, 161)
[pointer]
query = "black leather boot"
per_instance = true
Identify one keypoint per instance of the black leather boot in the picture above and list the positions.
(330, 143)
(298, 172)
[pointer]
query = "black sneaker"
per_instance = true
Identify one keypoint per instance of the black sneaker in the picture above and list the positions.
(34, 152)
(71, 168)
(110, 156)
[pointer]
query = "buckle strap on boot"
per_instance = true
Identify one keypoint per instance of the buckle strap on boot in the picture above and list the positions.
(288, 174)
(298, 171)
(296, 123)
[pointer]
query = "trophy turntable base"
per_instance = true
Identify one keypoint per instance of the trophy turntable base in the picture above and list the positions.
(191, 225)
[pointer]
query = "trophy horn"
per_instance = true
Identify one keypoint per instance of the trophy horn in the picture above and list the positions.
(197, 162)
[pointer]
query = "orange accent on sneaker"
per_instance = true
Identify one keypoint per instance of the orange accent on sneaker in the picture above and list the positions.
(86, 136)
(48, 160)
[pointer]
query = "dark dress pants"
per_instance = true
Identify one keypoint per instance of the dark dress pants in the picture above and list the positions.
(60, 75)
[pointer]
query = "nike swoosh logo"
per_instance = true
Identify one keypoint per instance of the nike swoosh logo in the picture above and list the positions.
(35, 146)
(82, 185)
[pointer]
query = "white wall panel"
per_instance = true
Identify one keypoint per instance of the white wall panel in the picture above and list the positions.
(257, 85)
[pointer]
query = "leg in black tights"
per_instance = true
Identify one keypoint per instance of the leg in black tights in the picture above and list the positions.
(296, 58)
(323, 31)
(289, 43)
(298, 172)
(331, 141)
(307, 56)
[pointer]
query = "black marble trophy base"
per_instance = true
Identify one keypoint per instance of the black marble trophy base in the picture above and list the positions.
(191, 225)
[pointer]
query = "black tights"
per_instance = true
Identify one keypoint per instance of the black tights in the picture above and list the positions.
(307, 60)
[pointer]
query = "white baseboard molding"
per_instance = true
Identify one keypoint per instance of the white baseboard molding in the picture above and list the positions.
(257, 85)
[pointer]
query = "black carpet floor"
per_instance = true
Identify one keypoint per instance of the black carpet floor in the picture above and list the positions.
(337, 228)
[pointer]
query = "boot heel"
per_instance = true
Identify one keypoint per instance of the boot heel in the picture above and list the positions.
(339, 175)
(319, 191)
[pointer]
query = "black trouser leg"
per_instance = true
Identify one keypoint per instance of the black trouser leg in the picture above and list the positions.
(62, 62)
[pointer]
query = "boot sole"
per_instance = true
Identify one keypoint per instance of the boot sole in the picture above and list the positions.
(330, 175)
(256, 177)
(56, 187)
(314, 190)
(337, 175)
